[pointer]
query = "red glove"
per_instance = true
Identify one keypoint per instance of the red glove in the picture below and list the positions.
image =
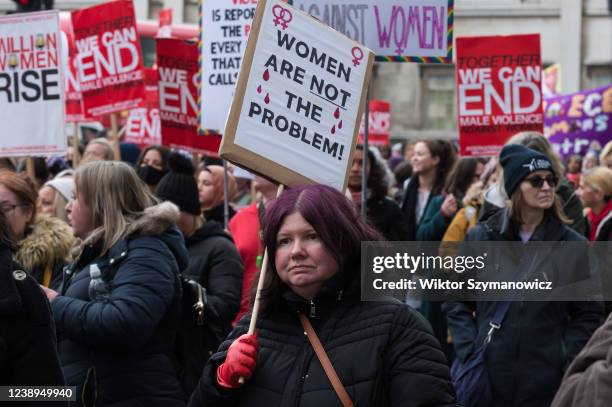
(240, 361)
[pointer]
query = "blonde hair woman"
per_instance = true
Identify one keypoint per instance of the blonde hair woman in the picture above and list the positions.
(596, 194)
(120, 304)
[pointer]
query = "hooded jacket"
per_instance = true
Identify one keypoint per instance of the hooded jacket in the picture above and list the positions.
(116, 327)
(45, 250)
(526, 358)
(383, 352)
(28, 354)
(214, 262)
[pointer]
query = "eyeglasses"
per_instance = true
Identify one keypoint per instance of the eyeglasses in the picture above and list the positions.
(538, 182)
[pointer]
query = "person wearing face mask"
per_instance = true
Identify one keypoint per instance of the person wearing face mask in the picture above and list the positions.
(537, 337)
(383, 353)
(152, 165)
(43, 241)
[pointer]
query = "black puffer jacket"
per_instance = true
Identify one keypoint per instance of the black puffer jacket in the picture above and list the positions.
(117, 334)
(28, 354)
(383, 352)
(214, 262)
(527, 357)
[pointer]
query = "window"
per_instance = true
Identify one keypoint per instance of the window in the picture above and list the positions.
(598, 76)
(439, 103)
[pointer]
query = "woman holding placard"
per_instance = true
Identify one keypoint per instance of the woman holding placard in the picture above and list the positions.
(381, 353)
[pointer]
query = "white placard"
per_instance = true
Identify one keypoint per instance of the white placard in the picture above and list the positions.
(303, 96)
(31, 85)
(225, 28)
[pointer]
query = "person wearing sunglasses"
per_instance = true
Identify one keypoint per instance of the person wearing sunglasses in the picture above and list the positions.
(526, 357)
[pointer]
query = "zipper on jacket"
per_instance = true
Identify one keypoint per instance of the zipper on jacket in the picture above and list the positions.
(313, 309)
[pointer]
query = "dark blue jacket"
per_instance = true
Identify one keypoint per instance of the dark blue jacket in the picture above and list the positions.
(526, 358)
(117, 334)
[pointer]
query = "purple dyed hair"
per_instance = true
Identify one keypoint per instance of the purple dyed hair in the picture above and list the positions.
(339, 226)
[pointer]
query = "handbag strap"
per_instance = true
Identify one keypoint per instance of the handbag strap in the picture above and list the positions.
(325, 362)
(500, 313)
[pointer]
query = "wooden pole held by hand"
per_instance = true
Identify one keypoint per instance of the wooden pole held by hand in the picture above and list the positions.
(260, 284)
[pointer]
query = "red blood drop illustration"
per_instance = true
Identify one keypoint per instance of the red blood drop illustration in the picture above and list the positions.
(340, 124)
(259, 89)
(334, 129)
(266, 75)
(337, 113)
(267, 99)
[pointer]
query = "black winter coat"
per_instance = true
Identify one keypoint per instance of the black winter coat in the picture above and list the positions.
(383, 352)
(117, 334)
(526, 358)
(28, 348)
(386, 217)
(214, 262)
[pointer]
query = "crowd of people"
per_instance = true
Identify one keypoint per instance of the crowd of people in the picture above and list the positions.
(148, 269)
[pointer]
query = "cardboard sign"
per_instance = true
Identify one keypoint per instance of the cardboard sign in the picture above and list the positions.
(143, 124)
(299, 99)
(109, 61)
(396, 30)
(177, 64)
(578, 122)
(499, 90)
(31, 85)
(379, 124)
(225, 28)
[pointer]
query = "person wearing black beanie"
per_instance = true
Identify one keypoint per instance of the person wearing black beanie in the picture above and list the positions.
(179, 187)
(214, 263)
(543, 336)
(519, 162)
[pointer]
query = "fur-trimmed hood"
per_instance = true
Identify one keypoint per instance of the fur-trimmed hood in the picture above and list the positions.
(47, 242)
(156, 220)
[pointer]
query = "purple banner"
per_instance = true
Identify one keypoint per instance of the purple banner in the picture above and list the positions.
(578, 122)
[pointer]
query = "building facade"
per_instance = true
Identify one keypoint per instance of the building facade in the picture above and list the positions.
(576, 34)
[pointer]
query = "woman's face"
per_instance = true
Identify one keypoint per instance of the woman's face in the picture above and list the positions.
(588, 195)
(46, 200)
(422, 160)
(590, 161)
(206, 189)
(153, 159)
(538, 198)
(16, 213)
(80, 217)
(302, 260)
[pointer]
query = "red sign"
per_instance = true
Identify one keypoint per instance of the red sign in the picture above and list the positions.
(109, 61)
(177, 63)
(74, 110)
(499, 90)
(165, 23)
(379, 125)
(143, 124)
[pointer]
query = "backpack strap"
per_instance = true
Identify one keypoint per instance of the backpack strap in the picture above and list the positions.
(325, 362)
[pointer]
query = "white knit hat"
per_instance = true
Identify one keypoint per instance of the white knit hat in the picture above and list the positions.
(64, 186)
